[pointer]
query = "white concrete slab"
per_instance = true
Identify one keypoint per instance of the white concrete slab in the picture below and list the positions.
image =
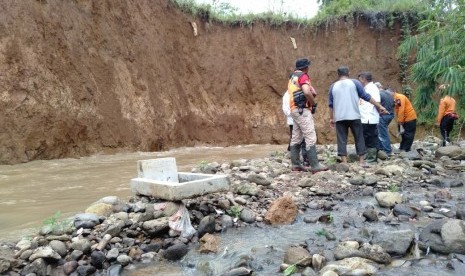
(161, 169)
(187, 185)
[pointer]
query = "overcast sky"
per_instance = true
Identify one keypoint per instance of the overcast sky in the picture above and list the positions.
(298, 8)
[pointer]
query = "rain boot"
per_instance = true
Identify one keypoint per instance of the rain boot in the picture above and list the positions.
(316, 166)
(372, 155)
(295, 158)
(305, 157)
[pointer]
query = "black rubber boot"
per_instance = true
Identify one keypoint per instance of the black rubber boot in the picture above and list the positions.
(372, 155)
(305, 157)
(314, 163)
(295, 158)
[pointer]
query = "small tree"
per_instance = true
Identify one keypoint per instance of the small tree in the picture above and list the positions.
(438, 56)
(223, 9)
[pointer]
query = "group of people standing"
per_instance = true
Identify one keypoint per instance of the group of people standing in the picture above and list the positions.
(360, 105)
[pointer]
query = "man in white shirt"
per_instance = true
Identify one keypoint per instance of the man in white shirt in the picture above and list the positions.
(370, 117)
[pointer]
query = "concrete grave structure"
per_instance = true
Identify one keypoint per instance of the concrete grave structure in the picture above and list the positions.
(159, 178)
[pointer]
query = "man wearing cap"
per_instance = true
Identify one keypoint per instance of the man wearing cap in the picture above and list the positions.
(301, 100)
(343, 102)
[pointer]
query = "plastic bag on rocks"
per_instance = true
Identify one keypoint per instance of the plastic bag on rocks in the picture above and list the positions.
(159, 206)
(181, 222)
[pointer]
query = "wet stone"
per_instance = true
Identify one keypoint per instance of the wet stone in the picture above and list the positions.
(247, 215)
(124, 260)
(356, 180)
(114, 270)
(427, 208)
(460, 213)
(112, 254)
(76, 254)
(97, 258)
(310, 219)
(370, 180)
(85, 270)
(206, 225)
(371, 214)
(402, 209)
(69, 267)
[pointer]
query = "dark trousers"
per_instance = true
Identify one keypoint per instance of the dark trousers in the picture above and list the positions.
(370, 134)
(409, 134)
(446, 126)
(342, 131)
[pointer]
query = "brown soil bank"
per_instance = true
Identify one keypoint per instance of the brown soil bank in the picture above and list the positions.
(80, 77)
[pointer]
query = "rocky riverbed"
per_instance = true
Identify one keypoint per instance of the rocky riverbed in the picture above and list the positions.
(410, 217)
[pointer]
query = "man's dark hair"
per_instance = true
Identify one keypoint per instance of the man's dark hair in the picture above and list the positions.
(366, 75)
(343, 71)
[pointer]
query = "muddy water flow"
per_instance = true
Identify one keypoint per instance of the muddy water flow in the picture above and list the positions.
(35, 191)
(262, 248)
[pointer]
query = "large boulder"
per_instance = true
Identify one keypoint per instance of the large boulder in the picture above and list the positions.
(351, 266)
(368, 251)
(395, 242)
(100, 209)
(388, 199)
(209, 243)
(453, 235)
(156, 226)
(175, 252)
(7, 259)
(453, 152)
(444, 236)
(297, 255)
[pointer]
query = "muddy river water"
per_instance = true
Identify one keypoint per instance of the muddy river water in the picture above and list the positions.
(35, 191)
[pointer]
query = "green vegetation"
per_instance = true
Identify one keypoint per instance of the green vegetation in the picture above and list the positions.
(329, 159)
(339, 8)
(54, 222)
(331, 218)
(278, 154)
(290, 270)
(234, 211)
(393, 188)
(203, 165)
(459, 125)
(321, 232)
(225, 13)
(437, 50)
(382, 13)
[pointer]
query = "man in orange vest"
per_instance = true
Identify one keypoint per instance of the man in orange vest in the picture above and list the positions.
(406, 119)
(446, 116)
(302, 101)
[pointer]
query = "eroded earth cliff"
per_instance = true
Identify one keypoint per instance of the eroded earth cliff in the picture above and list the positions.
(79, 77)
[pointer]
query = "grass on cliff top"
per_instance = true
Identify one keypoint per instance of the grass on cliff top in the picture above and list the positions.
(331, 13)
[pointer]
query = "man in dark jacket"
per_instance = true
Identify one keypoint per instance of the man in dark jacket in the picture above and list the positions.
(387, 101)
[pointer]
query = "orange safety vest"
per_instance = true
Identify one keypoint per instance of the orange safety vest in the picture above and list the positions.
(296, 95)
